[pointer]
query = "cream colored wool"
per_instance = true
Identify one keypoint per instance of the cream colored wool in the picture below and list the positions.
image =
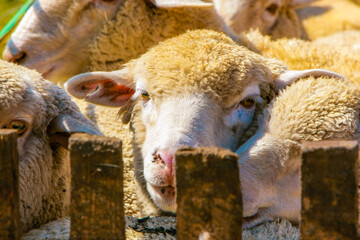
(349, 39)
(326, 17)
(44, 169)
(299, 54)
(139, 26)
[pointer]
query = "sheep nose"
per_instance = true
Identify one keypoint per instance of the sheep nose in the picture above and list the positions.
(12, 54)
(164, 157)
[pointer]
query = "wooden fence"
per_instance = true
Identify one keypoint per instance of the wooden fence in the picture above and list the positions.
(207, 208)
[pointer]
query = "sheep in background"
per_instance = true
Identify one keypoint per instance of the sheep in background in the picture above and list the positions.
(58, 37)
(44, 117)
(197, 89)
(276, 18)
(324, 17)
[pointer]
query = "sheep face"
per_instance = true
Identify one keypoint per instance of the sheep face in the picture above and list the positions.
(44, 118)
(197, 89)
(52, 36)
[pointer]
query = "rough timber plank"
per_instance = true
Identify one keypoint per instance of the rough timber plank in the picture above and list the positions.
(209, 202)
(329, 190)
(9, 186)
(97, 208)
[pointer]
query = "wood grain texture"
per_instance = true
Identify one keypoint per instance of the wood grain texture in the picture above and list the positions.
(9, 186)
(97, 198)
(329, 190)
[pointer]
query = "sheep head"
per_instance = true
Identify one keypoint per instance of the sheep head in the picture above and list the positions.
(272, 17)
(44, 117)
(197, 89)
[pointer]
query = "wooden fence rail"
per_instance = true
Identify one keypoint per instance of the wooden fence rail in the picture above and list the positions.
(208, 194)
(329, 190)
(207, 208)
(97, 198)
(9, 186)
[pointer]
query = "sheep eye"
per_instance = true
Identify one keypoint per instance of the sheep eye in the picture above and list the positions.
(247, 102)
(272, 9)
(18, 125)
(145, 95)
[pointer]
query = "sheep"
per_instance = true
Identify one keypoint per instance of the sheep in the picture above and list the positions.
(308, 110)
(44, 117)
(323, 17)
(276, 18)
(71, 26)
(102, 35)
(197, 89)
(69, 32)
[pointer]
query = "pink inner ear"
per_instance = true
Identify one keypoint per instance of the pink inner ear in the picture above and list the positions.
(107, 92)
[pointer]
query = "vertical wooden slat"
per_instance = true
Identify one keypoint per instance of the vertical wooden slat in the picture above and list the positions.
(329, 190)
(9, 186)
(209, 202)
(97, 198)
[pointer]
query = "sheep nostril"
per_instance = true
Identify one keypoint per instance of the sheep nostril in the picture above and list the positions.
(13, 56)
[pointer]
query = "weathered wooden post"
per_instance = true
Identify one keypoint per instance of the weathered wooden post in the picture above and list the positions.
(9, 186)
(209, 202)
(329, 190)
(97, 208)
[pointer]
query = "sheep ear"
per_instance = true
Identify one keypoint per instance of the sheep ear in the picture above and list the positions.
(112, 89)
(63, 125)
(295, 4)
(287, 78)
(181, 3)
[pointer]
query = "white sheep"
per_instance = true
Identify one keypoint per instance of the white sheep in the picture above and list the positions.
(197, 89)
(276, 18)
(94, 35)
(44, 117)
(74, 36)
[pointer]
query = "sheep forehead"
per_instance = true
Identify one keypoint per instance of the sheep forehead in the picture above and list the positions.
(20, 86)
(201, 60)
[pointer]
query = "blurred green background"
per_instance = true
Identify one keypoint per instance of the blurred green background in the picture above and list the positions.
(8, 8)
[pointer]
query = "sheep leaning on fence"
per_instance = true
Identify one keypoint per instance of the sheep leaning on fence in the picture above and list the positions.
(44, 117)
(308, 110)
(197, 89)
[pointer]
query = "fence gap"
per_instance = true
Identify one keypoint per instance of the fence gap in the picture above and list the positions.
(9, 186)
(209, 201)
(329, 190)
(97, 198)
